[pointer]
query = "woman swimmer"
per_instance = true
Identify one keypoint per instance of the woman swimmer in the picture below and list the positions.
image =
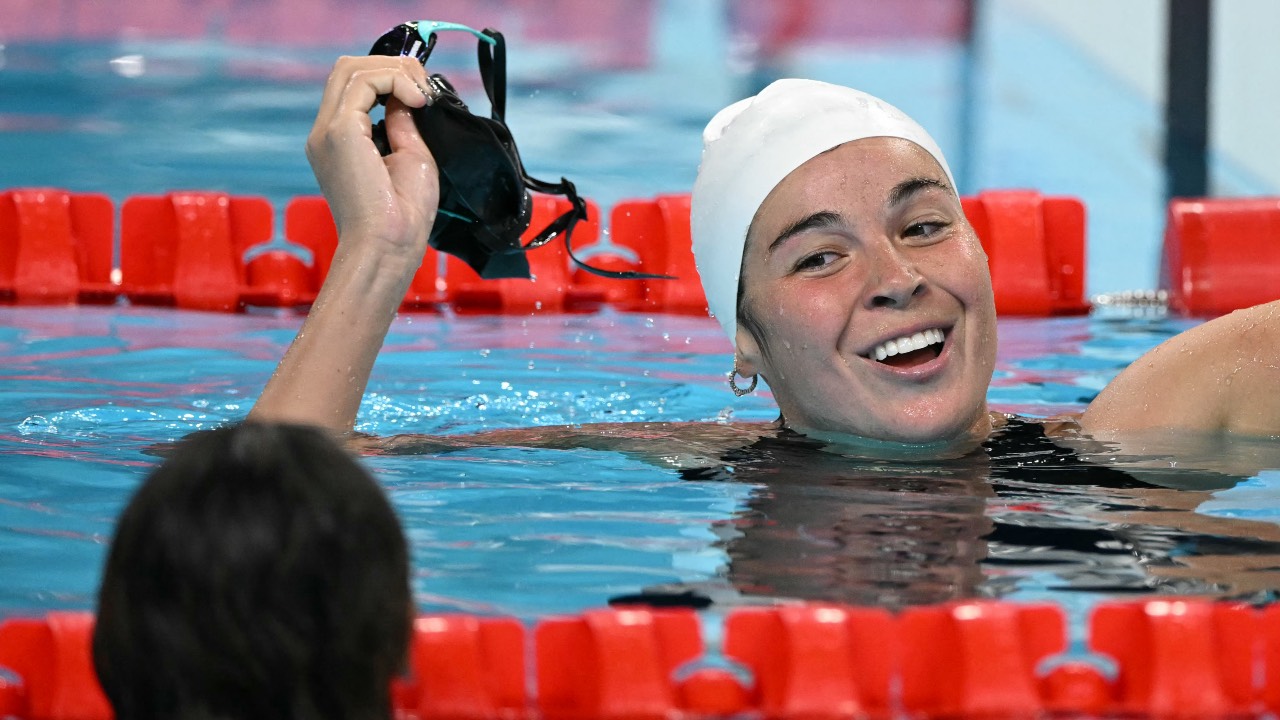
(833, 250)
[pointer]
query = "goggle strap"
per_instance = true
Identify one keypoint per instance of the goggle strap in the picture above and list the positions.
(425, 52)
(565, 225)
(611, 274)
(492, 57)
(491, 53)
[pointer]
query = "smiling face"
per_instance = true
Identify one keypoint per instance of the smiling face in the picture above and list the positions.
(867, 299)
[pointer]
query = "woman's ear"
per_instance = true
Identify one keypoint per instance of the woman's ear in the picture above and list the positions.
(748, 360)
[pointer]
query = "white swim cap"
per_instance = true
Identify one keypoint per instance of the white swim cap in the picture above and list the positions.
(750, 146)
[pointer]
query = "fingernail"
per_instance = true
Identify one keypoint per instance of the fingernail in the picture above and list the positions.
(428, 94)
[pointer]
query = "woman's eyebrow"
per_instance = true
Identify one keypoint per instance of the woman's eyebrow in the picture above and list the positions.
(907, 189)
(817, 221)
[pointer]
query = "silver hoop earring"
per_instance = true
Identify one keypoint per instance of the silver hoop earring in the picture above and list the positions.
(733, 375)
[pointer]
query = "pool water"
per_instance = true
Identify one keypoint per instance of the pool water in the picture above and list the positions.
(87, 393)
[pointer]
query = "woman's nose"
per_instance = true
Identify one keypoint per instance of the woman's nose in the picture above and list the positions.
(896, 280)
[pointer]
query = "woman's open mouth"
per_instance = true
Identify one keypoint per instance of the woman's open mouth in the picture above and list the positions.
(910, 351)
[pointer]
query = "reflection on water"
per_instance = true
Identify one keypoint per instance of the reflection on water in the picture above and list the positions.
(85, 391)
(613, 94)
(1026, 515)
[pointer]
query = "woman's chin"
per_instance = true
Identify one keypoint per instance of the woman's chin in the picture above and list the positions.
(860, 446)
(906, 436)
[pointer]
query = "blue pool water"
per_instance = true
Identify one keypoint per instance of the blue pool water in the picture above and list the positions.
(88, 393)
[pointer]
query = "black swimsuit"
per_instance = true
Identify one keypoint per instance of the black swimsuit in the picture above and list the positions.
(1018, 452)
(822, 526)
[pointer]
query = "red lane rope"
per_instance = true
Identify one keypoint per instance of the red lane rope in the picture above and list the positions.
(1168, 658)
(213, 251)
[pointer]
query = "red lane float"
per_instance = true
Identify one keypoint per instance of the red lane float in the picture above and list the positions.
(189, 249)
(466, 667)
(977, 659)
(308, 223)
(551, 287)
(816, 662)
(55, 246)
(1269, 638)
(1173, 659)
(613, 664)
(52, 657)
(1035, 247)
(1180, 659)
(186, 248)
(1221, 254)
(656, 232)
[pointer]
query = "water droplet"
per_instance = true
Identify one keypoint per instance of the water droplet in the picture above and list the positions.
(485, 352)
(506, 385)
(530, 364)
(648, 322)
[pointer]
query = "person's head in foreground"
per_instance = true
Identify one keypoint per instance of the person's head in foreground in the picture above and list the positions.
(834, 252)
(260, 573)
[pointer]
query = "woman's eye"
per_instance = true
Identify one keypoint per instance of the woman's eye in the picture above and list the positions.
(925, 229)
(817, 260)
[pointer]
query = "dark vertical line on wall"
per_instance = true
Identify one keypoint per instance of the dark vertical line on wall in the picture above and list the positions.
(1186, 139)
(966, 150)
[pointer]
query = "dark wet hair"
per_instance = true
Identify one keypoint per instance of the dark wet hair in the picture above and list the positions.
(745, 316)
(258, 574)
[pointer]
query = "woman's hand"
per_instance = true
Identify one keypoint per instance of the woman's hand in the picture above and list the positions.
(384, 208)
(388, 202)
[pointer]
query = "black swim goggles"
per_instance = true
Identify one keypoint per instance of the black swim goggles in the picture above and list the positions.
(485, 205)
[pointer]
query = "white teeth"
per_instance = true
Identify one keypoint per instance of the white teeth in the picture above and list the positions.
(909, 343)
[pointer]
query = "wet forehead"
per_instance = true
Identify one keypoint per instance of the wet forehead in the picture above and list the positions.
(867, 169)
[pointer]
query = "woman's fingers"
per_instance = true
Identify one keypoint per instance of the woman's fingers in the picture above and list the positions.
(366, 86)
(402, 133)
(411, 167)
(356, 83)
(340, 146)
(390, 198)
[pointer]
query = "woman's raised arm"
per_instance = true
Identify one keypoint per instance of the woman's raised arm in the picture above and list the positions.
(384, 208)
